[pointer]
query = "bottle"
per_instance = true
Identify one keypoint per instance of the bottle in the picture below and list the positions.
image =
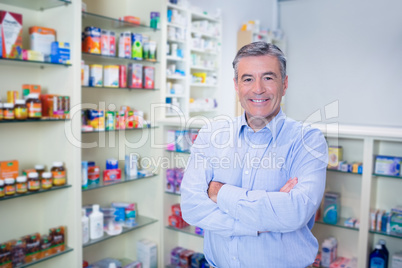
(20, 110)
(95, 223)
(326, 253)
(21, 185)
(34, 106)
(85, 227)
(1, 188)
(8, 111)
(1, 111)
(9, 188)
(377, 258)
(384, 249)
(40, 169)
(59, 174)
(47, 180)
(33, 181)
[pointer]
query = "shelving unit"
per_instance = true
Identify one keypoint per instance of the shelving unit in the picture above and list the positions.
(43, 141)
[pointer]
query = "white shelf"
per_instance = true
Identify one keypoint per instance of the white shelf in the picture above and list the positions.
(176, 25)
(202, 68)
(176, 41)
(201, 85)
(175, 96)
(206, 35)
(203, 110)
(171, 58)
(174, 6)
(176, 77)
(204, 51)
(200, 16)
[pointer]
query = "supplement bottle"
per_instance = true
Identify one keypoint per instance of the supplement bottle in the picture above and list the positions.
(20, 110)
(21, 185)
(59, 174)
(9, 188)
(8, 111)
(47, 180)
(1, 111)
(1, 188)
(40, 169)
(34, 106)
(33, 182)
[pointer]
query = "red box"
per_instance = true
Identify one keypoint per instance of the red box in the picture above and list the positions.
(134, 75)
(11, 34)
(176, 222)
(131, 19)
(176, 210)
(149, 77)
(112, 175)
(122, 76)
(185, 258)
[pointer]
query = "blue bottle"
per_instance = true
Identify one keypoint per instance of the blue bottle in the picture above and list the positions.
(377, 258)
(384, 250)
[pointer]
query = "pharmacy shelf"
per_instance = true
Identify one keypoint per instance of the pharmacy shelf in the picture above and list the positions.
(339, 224)
(36, 5)
(30, 63)
(202, 68)
(34, 120)
(175, 96)
(176, 77)
(169, 5)
(176, 41)
(200, 16)
(66, 250)
(176, 25)
(395, 235)
(103, 22)
(204, 51)
(123, 180)
(203, 110)
(187, 230)
(171, 58)
(340, 171)
(201, 85)
(171, 151)
(117, 130)
(205, 35)
(386, 176)
(125, 88)
(141, 221)
(166, 192)
(100, 56)
(41, 191)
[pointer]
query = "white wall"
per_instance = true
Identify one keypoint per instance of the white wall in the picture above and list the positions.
(344, 50)
(234, 13)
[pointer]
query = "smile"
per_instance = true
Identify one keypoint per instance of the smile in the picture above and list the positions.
(258, 101)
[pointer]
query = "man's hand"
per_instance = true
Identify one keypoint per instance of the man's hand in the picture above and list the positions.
(289, 185)
(213, 189)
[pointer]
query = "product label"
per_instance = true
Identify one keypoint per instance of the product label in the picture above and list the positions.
(8, 114)
(59, 177)
(34, 110)
(1, 113)
(9, 189)
(33, 185)
(21, 113)
(11, 29)
(377, 263)
(21, 187)
(1, 191)
(46, 183)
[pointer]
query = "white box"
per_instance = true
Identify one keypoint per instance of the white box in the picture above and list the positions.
(111, 76)
(147, 253)
(397, 260)
(131, 165)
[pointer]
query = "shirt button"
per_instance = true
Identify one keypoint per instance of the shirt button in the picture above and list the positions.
(246, 172)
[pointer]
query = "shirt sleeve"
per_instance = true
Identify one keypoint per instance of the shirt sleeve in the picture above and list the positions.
(283, 212)
(197, 208)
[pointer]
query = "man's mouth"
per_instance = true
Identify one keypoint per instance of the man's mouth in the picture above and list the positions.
(259, 100)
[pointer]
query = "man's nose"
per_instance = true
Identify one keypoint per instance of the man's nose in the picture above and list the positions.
(258, 87)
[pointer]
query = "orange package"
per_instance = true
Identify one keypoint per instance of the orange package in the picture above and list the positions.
(8, 169)
(5, 254)
(32, 247)
(46, 246)
(58, 235)
(28, 89)
(92, 38)
(131, 19)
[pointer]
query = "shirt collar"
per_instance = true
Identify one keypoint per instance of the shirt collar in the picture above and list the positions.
(274, 126)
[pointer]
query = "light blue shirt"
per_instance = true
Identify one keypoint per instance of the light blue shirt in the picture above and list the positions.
(254, 166)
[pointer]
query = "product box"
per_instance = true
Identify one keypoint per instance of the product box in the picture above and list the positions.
(58, 235)
(122, 76)
(149, 77)
(317, 261)
(12, 95)
(134, 75)
(41, 39)
(11, 34)
(176, 222)
(84, 74)
(197, 259)
(8, 169)
(32, 55)
(335, 155)
(32, 244)
(357, 167)
(155, 20)
(96, 119)
(110, 120)
(199, 230)
(112, 43)
(176, 210)
(125, 45)
(136, 49)
(5, 254)
(95, 75)
(387, 165)
(46, 246)
(93, 175)
(179, 173)
(111, 76)
(397, 260)
(170, 180)
(60, 52)
(175, 256)
(171, 140)
(131, 19)
(131, 165)
(182, 141)
(104, 42)
(396, 221)
(185, 258)
(91, 42)
(331, 207)
(29, 89)
(147, 253)
(110, 175)
(18, 250)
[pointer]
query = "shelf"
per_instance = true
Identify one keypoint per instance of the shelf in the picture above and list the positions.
(386, 176)
(176, 77)
(203, 111)
(174, 6)
(395, 235)
(202, 68)
(41, 191)
(187, 230)
(172, 193)
(141, 222)
(29, 63)
(66, 250)
(33, 120)
(200, 16)
(204, 51)
(339, 224)
(123, 180)
(206, 35)
(36, 5)
(340, 171)
(117, 130)
(176, 41)
(89, 55)
(175, 96)
(175, 58)
(171, 151)
(103, 22)
(201, 85)
(176, 25)
(126, 88)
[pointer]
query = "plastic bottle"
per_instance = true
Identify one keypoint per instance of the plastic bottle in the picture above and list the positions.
(85, 227)
(377, 258)
(384, 250)
(95, 223)
(326, 254)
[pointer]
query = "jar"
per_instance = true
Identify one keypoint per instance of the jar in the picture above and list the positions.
(1, 111)
(33, 181)
(40, 169)
(58, 173)
(1, 188)
(34, 106)
(8, 111)
(46, 180)
(21, 185)
(9, 188)
(20, 110)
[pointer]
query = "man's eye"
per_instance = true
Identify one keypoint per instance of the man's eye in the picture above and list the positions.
(267, 78)
(247, 80)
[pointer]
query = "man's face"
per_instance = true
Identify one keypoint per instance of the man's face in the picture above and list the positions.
(260, 87)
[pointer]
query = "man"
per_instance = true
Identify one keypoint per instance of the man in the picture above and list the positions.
(237, 185)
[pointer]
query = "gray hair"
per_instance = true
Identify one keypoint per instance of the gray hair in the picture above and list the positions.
(260, 48)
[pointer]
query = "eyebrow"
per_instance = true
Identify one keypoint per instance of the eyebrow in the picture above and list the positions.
(266, 73)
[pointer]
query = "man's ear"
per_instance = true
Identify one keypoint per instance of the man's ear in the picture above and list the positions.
(236, 85)
(285, 86)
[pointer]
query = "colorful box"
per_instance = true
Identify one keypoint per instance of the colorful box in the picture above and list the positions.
(32, 55)
(29, 89)
(131, 165)
(95, 75)
(112, 43)
(104, 43)
(33, 249)
(11, 34)
(182, 141)
(131, 19)
(179, 173)
(185, 258)
(136, 49)
(176, 210)
(58, 235)
(149, 77)
(125, 45)
(60, 52)
(357, 167)
(396, 220)
(93, 175)
(41, 39)
(170, 180)
(335, 155)
(111, 76)
(175, 256)
(96, 119)
(387, 165)
(331, 207)
(122, 76)
(134, 75)
(112, 175)
(92, 37)
(8, 169)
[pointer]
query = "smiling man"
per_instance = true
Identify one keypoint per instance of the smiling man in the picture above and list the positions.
(256, 195)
